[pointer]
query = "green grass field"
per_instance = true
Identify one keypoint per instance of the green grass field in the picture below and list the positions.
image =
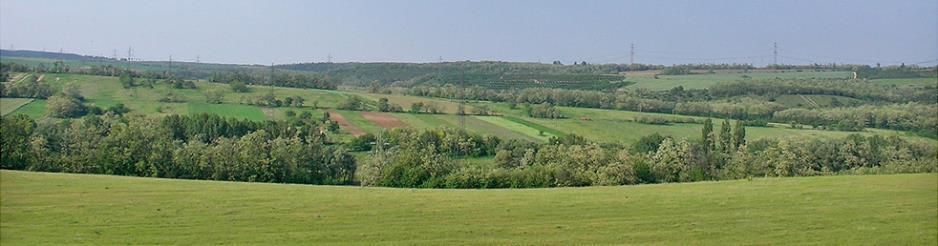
(702, 81)
(57, 209)
(814, 101)
(8, 105)
(34, 109)
(908, 81)
(227, 110)
(517, 127)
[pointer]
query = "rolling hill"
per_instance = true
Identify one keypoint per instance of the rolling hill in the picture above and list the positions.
(53, 208)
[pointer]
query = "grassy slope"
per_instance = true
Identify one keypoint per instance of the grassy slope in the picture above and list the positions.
(821, 100)
(908, 81)
(34, 109)
(8, 105)
(46, 208)
(701, 81)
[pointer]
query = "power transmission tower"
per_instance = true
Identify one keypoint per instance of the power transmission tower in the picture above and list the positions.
(130, 53)
(197, 59)
(170, 64)
(632, 54)
(774, 53)
(329, 58)
(115, 54)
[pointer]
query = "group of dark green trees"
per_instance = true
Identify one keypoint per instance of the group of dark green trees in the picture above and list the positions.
(299, 151)
(444, 159)
(189, 147)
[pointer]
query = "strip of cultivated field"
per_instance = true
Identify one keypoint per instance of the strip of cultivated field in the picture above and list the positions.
(48, 208)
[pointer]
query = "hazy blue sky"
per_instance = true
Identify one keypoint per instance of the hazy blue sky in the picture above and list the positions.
(664, 32)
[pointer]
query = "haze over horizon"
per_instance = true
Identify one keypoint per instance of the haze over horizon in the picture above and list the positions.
(664, 32)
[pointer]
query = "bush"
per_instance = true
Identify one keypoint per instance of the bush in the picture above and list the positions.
(62, 106)
(239, 87)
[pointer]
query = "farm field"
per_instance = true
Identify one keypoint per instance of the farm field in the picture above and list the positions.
(8, 105)
(53, 208)
(909, 81)
(34, 109)
(611, 126)
(702, 81)
(814, 101)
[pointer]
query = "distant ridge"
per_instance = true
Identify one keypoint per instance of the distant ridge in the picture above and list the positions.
(50, 55)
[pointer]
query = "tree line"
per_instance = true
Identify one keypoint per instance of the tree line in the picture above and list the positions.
(737, 100)
(190, 147)
(428, 160)
(299, 151)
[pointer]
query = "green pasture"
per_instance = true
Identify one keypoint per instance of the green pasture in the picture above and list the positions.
(62, 209)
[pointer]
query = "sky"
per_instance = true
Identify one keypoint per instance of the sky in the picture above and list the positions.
(595, 31)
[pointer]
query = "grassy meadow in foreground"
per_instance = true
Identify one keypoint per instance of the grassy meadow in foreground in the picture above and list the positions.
(51, 208)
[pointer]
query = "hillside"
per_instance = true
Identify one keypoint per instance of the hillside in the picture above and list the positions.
(48, 208)
(595, 124)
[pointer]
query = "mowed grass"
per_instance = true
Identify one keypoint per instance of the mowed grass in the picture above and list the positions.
(8, 105)
(227, 110)
(34, 109)
(49, 208)
(517, 127)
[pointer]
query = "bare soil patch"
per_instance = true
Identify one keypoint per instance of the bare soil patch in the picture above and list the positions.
(345, 124)
(384, 120)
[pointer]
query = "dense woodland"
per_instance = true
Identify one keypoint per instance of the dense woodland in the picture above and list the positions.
(190, 147)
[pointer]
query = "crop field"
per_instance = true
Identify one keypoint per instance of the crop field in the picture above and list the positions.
(49, 208)
(448, 107)
(814, 101)
(384, 120)
(702, 81)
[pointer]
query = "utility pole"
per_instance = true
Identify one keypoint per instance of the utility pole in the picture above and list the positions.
(632, 54)
(774, 53)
